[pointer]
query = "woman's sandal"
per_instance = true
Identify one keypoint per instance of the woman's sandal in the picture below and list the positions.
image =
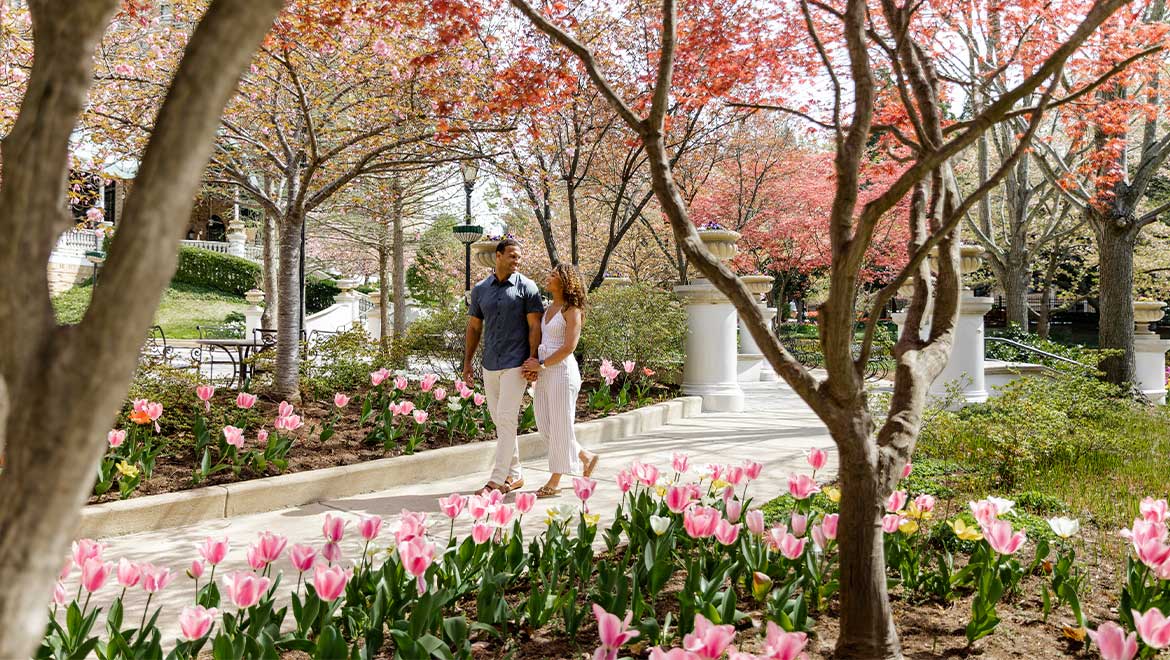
(491, 485)
(590, 465)
(546, 491)
(511, 485)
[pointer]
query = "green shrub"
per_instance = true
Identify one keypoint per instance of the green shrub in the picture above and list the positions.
(174, 388)
(434, 341)
(638, 322)
(339, 363)
(235, 275)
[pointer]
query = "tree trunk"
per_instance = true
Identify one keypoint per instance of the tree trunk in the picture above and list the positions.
(867, 622)
(1047, 296)
(575, 252)
(1115, 247)
(269, 267)
(399, 265)
(288, 334)
(1016, 280)
(384, 254)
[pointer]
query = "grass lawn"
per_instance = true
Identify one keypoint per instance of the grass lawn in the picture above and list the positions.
(182, 308)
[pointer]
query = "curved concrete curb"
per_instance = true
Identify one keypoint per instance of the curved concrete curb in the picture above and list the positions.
(154, 512)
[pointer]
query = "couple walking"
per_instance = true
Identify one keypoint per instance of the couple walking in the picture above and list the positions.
(525, 343)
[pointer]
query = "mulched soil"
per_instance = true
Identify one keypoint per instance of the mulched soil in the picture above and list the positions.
(176, 464)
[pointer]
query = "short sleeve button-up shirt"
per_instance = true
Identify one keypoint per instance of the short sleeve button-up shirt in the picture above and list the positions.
(504, 306)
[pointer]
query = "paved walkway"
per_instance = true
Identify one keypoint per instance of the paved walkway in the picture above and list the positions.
(776, 429)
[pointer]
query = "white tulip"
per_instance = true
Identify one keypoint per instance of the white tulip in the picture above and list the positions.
(1064, 527)
(1002, 506)
(659, 524)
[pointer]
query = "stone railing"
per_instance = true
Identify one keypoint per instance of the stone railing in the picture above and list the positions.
(214, 246)
(76, 242)
(249, 252)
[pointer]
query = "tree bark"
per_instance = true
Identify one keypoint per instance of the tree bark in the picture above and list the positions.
(575, 255)
(288, 335)
(399, 264)
(269, 267)
(51, 459)
(1016, 280)
(384, 254)
(1115, 245)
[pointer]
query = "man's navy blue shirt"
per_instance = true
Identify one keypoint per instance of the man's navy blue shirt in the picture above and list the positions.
(504, 306)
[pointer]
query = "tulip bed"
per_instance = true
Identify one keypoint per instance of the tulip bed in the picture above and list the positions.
(228, 439)
(690, 571)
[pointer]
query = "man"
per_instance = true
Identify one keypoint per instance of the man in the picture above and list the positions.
(505, 310)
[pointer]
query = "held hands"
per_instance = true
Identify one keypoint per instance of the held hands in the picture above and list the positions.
(531, 369)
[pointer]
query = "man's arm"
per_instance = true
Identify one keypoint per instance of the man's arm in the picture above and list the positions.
(471, 343)
(534, 334)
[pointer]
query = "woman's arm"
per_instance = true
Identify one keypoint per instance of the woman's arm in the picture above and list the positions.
(573, 321)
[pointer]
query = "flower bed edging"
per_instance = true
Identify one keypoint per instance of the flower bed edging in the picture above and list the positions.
(154, 512)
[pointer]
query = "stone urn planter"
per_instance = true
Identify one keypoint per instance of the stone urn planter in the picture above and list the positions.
(483, 253)
(254, 296)
(970, 258)
(1146, 312)
(721, 242)
(757, 285)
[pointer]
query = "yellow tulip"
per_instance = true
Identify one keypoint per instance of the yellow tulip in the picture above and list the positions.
(592, 518)
(964, 531)
(908, 527)
(127, 470)
(833, 494)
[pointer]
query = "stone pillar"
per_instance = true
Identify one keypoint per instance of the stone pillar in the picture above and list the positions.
(236, 240)
(966, 362)
(349, 298)
(767, 373)
(751, 363)
(711, 361)
(374, 316)
(906, 291)
(253, 312)
(1150, 352)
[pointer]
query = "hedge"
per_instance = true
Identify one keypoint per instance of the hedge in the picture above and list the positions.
(235, 275)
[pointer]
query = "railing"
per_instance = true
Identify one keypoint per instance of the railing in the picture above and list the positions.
(76, 242)
(214, 246)
(1037, 351)
(364, 304)
(254, 252)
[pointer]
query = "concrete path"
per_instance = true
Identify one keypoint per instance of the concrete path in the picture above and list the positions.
(776, 429)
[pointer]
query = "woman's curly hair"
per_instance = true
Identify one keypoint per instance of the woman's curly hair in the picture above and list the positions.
(574, 289)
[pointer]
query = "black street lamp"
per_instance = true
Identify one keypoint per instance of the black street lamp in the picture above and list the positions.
(467, 232)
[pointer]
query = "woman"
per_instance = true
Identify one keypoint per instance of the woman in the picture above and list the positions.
(558, 380)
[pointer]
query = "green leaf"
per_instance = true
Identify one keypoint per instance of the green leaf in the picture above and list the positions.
(330, 645)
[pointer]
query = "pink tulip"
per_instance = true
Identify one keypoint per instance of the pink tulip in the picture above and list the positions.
(196, 570)
(792, 547)
(213, 551)
(329, 582)
(195, 622)
(614, 633)
(411, 524)
(525, 502)
(428, 381)
(466, 392)
(478, 399)
(714, 471)
(657, 653)
(680, 462)
(86, 549)
(1153, 510)
(477, 507)
(985, 512)
(817, 458)
(288, 422)
(60, 596)
(999, 536)
(734, 475)
(340, 400)
(452, 505)
(234, 436)
(205, 392)
(302, 557)
(128, 573)
(116, 438)
(440, 394)
(891, 522)
(906, 469)
(799, 523)
(334, 528)
(1144, 530)
(378, 376)
(406, 407)
(625, 481)
(417, 555)
(726, 533)
(755, 521)
(924, 503)
(829, 524)
(645, 473)
(502, 515)
(781, 645)
(818, 536)
(1152, 552)
(752, 470)
(896, 501)
(678, 499)
(94, 573)
(481, 532)
(628, 366)
(802, 486)
(331, 552)
(66, 569)
(734, 508)
(255, 558)
(156, 578)
(420, 416)
(262, 436)
(245, 588)
(701, 521)
(1113, 642)
(271, 546)
(583, 487)
(369, 527)
(401, 383)
(775, 536)
(708, 640)
(1153, 627)
(245, 401)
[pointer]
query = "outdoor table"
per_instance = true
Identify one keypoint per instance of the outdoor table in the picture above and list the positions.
(244, 348)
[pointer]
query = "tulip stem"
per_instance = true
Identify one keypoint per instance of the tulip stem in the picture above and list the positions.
(86, 605)
(144, 611)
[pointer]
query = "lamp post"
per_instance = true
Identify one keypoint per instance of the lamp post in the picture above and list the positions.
(468, 233)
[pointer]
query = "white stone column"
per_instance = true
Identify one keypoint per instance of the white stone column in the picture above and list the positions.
(711, 360)
(253, 312)
(349, 298)
(751, 363)
(1150, 352)
(236, 240)
(374, 316)
(965, 366)
(767, 373)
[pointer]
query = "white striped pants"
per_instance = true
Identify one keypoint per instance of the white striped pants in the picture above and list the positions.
(556, 410)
